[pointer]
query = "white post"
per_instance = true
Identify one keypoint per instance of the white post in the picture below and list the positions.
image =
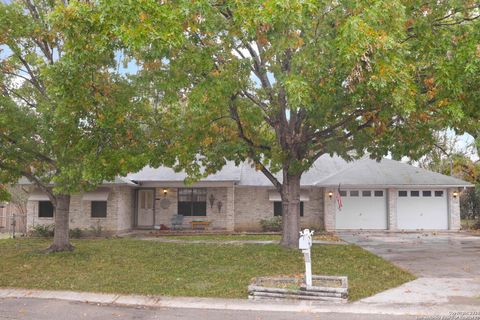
(308, 268)
(304, 244)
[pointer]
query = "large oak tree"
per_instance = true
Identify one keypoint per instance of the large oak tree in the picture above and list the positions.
(281, 83)
(68, 121)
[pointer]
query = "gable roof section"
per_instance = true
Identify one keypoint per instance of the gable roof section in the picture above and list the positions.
(368, 172)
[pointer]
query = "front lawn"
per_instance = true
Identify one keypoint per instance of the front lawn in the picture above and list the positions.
(173, 269)
(239, 237)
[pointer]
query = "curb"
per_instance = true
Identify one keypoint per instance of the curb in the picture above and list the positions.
(237, 304)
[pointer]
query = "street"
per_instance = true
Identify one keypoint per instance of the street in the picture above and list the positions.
(41, 309)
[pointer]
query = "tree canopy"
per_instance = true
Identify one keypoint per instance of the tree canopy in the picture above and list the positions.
(67, 121)
(281, 83)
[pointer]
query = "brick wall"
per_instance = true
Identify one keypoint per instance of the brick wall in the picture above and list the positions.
(119, 212)
(454, 210)
(329, 208)
(252, 204)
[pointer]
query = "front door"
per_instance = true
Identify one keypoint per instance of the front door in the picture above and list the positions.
(145, 208)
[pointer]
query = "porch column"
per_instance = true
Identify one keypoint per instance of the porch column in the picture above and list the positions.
(329, 208)
(453, 209)
(230, 209)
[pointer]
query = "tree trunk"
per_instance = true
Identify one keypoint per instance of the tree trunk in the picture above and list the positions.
(61, 239)
(290, 210)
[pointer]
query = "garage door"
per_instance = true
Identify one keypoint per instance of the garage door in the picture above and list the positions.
(422, 209)
(362, 209)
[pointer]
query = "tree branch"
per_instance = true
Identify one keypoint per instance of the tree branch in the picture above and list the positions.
(241, 132)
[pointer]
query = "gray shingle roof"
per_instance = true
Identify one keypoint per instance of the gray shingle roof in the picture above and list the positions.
(116, 181)
(323, 167)
(326, 171)
(229, 172)
(368, 172)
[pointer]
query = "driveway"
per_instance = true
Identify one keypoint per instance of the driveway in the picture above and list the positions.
(446, 265)
(445, 255)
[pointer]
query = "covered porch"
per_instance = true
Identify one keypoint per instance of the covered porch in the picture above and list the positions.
(174, 206)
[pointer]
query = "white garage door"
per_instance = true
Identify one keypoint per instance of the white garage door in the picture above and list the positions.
(422, 209)
(362, 209)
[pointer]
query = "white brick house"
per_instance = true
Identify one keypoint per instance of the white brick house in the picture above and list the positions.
(386, 195)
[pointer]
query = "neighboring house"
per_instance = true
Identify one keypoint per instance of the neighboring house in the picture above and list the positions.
(386, 195)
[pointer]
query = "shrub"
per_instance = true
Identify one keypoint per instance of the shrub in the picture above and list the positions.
(75, 233)
(43, 230)
(272, 224)
(470, 203)
(96, 230)
(475, 225)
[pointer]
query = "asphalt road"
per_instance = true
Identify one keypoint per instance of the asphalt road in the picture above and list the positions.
(40, 309)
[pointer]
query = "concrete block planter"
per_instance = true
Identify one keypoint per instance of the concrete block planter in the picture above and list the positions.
(324, 288)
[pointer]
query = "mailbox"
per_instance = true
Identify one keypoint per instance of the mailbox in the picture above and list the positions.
(305, 240)
(303, 243)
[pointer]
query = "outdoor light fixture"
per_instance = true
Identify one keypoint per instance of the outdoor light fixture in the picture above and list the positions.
(165, 192)
(455, 194)
(330, 194)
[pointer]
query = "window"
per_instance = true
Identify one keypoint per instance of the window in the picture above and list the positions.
(426, 193)
(146, 199)
(438, 193)
(192, 202)
(378, 193)
(366, 193)
(277, 208)
(98, 209)
(402, 193)
(343, 193)
(414, 193)
(45, 209)
(354, 193)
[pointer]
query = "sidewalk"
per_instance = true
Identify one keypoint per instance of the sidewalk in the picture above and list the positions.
(359, 307)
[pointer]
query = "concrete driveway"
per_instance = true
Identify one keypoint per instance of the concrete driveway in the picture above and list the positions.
(446, 265)
(445, 255)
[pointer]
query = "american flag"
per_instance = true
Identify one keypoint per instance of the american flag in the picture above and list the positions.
(339, 199)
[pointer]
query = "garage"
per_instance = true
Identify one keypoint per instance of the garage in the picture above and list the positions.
(362, 209)
(422, 209)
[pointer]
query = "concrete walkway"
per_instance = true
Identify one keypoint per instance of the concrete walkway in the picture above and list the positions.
(360, 307)
(446, 264)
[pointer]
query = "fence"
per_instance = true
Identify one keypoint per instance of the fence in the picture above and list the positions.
(12, 222)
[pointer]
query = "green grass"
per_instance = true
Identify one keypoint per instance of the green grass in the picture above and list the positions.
(223, 237)
(172, 269)
(239, 237)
